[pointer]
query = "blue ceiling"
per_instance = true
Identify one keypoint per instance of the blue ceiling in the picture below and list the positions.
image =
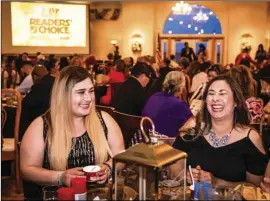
(185, 24)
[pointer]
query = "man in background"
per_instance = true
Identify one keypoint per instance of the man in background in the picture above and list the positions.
(131, 96)
(188, 52)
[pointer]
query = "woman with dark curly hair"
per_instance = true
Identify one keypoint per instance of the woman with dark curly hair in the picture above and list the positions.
(225, 151)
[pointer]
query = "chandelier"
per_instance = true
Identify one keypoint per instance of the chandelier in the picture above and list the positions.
(200, 17)
(182, 8)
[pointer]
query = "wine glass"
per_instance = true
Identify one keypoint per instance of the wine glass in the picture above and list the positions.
(49, 192)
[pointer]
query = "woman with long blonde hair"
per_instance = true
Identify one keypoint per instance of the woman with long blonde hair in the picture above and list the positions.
(71, 135)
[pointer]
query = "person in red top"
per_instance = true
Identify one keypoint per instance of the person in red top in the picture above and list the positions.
(244, 55)
(116, 75)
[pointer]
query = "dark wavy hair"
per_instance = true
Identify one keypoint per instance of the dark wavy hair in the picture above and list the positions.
(241, 114)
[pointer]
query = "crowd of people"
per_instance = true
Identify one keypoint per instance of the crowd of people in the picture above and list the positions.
(59, 101)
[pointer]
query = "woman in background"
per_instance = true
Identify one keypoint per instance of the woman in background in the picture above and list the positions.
(167, 110)
(116, 75)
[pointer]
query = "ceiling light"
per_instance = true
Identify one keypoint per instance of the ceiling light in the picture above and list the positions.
(182, 8)
(200, 16)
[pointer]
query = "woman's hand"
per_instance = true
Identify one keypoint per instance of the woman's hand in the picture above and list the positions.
(265, 185)
(104, 174)
(206, 177)
(71, 173)
(195, 173)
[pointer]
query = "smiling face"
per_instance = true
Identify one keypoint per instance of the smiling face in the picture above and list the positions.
(219, 100)
(82, 98)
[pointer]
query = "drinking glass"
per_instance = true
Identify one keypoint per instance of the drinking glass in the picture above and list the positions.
(49, 192)
(120, 187)
(205, 191)
(101, 193)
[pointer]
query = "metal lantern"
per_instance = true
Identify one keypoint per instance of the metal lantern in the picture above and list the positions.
(148, 159)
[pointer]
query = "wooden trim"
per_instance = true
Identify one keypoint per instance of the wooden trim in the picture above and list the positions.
(214, 50)
(169, 47)
(192, 37)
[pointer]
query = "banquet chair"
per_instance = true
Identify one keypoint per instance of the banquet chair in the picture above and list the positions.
(255, 108)
(130, 127)
(107, 109)
(3, 121)
(10, 151)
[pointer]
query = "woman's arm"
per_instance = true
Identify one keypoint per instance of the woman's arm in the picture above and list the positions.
(115, 137)
(31, 159)
(31, 156)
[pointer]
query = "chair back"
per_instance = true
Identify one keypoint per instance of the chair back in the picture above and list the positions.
(114, 87)
(130, 127)
(3, 117)
(3, 121)
(187, 83)
(107, 109)
(13, 98)
(255, 108)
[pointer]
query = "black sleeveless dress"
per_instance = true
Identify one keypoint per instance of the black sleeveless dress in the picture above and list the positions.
(82, 154)
(228, 162)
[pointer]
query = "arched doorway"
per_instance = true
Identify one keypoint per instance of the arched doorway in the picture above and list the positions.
(201, 25)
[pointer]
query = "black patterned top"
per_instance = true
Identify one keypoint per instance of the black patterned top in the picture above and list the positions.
(82, 154)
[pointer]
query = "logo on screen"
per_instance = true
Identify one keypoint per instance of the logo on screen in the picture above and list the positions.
(51, 12)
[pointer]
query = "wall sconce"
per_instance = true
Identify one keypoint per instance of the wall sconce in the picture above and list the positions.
(136, 43)
(246, 41)
(114, 42)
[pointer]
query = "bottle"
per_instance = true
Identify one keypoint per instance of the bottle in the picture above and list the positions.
(79, 186)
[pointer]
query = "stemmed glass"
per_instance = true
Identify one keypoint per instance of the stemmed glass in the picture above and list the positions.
(49, 193)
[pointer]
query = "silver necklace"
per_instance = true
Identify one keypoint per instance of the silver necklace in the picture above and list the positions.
(219, 142)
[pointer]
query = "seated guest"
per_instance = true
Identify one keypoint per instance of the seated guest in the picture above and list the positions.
(173, 63)
(38, 73)
(27, 83)
(243, 77)
(63, 62)
(226, 151)
(166, 108)
(200, 77)
(156, 85)
(116, 75)
(71, 135)
(130, 98)
(212, 72)
(37, 101)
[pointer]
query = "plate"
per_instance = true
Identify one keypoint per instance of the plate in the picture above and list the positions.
(170, 183)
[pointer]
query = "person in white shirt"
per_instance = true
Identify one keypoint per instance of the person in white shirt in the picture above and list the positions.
(173, 63)
(200, 77)
(27, 83)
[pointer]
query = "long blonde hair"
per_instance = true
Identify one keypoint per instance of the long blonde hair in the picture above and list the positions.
(61, 121)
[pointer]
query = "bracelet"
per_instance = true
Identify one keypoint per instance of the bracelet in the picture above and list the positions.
(59, 179)
(110, 169)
